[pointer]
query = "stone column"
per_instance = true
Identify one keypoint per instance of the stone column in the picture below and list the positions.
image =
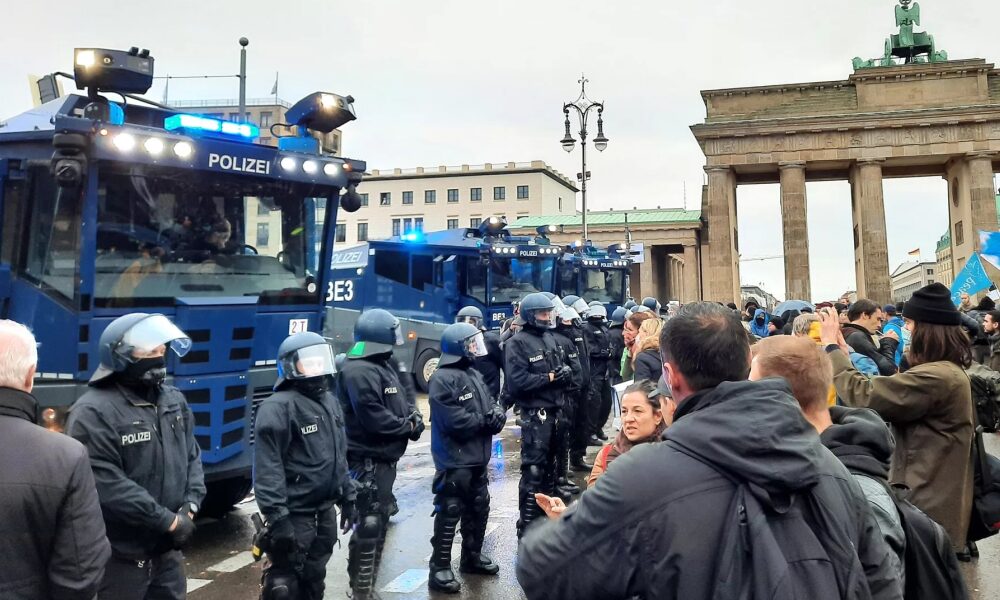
(982, 194)
(871, 253)
(692, 291)
(722, 272)
(794, 229)
(645, 287)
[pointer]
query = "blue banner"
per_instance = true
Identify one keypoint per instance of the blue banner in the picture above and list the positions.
(970, 280)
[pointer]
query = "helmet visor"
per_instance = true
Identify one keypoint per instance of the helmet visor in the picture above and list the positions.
(544, 318)
(311, 361)
(475, 346)
(143, 338)
(474, 321)
(399, 333)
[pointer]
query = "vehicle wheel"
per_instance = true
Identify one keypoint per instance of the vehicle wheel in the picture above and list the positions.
(427, 363)
(224, 494)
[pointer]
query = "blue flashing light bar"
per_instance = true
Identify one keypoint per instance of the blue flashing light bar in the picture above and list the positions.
(197, 124)
(413, 236)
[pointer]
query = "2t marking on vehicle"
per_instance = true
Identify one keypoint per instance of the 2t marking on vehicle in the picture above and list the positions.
(134, 438)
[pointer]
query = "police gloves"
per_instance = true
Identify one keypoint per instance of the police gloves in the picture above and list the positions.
(348, 516)
(418, 425)
(282, 537)
(181, 534)
(562, 374)
(495, 419)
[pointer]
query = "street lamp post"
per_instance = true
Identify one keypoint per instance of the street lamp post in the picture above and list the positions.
(243, 79)
(583, 105)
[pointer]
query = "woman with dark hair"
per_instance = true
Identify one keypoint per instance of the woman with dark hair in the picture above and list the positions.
(642, 422)
(929, 407)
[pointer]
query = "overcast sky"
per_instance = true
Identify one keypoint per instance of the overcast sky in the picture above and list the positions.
(460, 81)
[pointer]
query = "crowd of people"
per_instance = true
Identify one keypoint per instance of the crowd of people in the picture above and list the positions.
(758, 455)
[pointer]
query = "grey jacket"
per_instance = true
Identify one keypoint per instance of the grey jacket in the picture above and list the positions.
(53, 543)
(653, 524)
(145, 460)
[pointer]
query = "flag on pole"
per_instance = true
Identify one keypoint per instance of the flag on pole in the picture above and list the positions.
(970, 280)
(166, 91)
(274, 88)
(915, 252)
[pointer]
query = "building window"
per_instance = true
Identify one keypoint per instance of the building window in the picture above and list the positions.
(522, 192)
(500, 193)
(476, 194)
(341, 233)
(474, 222)
(262, 208)
(385, 199)
(452, 223)
(930, 281)
(362, 232)
(430, 196)
(395, 227)
(407, 197)
(263, 234)
(407, 226)
(418, 224)
(364, 199)
(930, 271)
(560, 204)
(266, 119)
(453, 195)
(959, 233)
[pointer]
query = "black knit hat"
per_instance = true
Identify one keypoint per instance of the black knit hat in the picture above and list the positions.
(932, 304)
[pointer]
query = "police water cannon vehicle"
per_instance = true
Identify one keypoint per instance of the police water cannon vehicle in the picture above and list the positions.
(112, 207)
(424, 279)
(595, 274)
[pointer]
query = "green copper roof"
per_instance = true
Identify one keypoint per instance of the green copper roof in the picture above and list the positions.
(945, 240)
(646, 217)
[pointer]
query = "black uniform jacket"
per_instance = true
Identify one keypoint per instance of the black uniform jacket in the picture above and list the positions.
(300, 455)
(529, 357)
(145, 460)
(491, 365)
(459, 404)
(599, 345)
(376, 406)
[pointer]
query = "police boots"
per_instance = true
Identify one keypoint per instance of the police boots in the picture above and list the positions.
(565, 488)
(442, 578)
(473, 534)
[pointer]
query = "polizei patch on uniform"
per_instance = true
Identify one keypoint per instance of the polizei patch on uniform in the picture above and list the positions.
(390, 390)
(536, 358)
(309, 429)
(134, 438)
(465, 397)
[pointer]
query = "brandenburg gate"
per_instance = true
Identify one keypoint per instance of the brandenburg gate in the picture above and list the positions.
(910, 113)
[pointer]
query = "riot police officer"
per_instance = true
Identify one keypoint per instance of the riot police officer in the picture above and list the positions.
(380, 416)
(300, 467)
(536, 381)
(617, 333)
(578, 304)
(566, 335)
(599, 397)
(139, 434)
(491, 365)
(464, 418)
(579, 425)
(652, 304)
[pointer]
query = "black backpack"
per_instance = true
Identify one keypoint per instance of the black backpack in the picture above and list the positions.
(986, 396)
(932, 571)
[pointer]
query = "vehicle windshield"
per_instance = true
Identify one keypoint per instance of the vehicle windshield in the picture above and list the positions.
(603, 285)
(514, 278)
(169, 233)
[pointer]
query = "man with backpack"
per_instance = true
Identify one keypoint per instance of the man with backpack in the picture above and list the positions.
(742, 500)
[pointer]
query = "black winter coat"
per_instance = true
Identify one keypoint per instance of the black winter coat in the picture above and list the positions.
(582, 350)
(652, 525)
(599, 345)
(300, 455)
(376, 408)
(460, 435)
(564, 339)
(146, 462)
(529, 357)
(53, 543)
(648, 366)
(884, 356)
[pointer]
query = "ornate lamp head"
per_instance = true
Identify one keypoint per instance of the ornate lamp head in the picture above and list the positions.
(905, 3)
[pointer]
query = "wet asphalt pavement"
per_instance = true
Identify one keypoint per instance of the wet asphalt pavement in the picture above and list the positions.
(220, 567)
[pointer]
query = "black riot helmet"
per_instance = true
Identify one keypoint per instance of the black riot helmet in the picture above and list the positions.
(471, 315)
(460, 341)
(531, 308)
(629, 305)
(303, 356)
(618, 317)
(376, 332)
(652, 304)
(130, 336)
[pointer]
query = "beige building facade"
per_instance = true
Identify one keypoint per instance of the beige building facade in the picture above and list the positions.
(910, 277)
(262, 112)
(931, 119)
(397, 201)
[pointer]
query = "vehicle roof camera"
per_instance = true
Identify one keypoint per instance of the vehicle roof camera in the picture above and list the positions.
(321, 111)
